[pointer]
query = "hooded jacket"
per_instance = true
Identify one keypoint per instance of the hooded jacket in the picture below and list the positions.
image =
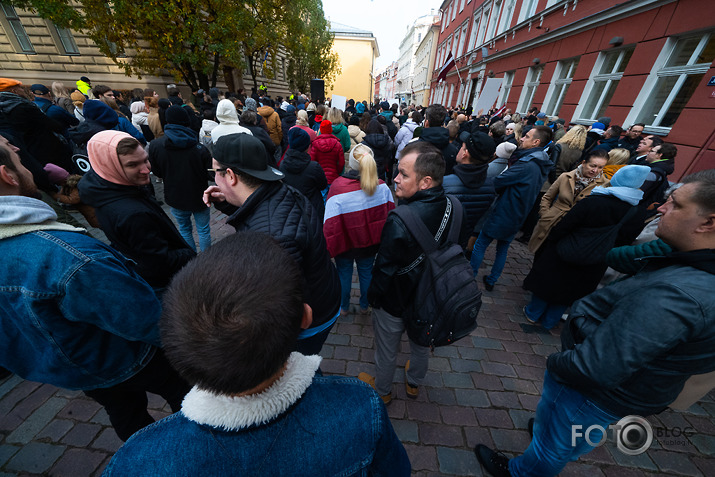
(517, 188)
(305, 175)
(179, 159)
(327, 151)
(273, 121)
(439, 138)
(287, 122)
(228, 121)
(381, 146)
(405, 135)
(341, 132)
(468, 185)
(356, 135)
(134, 222)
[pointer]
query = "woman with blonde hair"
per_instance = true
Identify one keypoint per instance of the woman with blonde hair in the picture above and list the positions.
(62, 97)
(302, 121)
(355, 212)
(78, 100)
(569, 150)
(335, 116)
(617, 158)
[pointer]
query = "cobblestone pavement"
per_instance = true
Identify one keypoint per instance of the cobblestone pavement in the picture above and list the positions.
(483, 389)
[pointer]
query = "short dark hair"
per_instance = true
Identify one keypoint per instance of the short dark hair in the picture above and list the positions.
(598, 153)
(416, 117)
(249, 118)
(637, 124)
(435, 115)
(668, 150)
(543, 134)
(127, 146)
(6, 159)
(231, 318)
(429, 160)
(100, 89)
(704, 195)
(656, 140)
(172, 91)
(498, 129)
(616, 131)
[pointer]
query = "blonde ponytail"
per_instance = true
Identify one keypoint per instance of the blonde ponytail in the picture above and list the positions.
(366, 167)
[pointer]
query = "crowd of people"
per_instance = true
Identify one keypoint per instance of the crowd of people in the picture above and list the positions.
(229, 333)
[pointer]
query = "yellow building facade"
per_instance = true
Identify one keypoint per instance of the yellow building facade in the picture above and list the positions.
(356, 50)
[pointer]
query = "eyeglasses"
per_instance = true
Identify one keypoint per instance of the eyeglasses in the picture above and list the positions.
(222, 169)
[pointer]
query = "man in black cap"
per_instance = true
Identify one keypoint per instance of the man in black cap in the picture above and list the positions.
(250, 191)
(43, 100)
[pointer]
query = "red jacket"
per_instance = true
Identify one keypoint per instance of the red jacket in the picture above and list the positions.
(327, 151)
(354, 219)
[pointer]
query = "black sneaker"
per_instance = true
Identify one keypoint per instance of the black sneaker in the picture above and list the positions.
(496, 463)
(487, 285)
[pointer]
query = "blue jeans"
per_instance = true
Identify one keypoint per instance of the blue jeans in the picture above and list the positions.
(480, 246)
(345, 272)
(547, 313)
(183, 218)
(558, 410)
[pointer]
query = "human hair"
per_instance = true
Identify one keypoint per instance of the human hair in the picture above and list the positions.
(429, 160)
(374, 127)
(498, 129)
(301, 118)
(151, 102)
(598, 154)
(137, 93)
(149, 92)
(435, 115)
(516, 118)
(618, 156)
(6, 159)
(615, 131)
(99, 90)
(668, 150)
(518, 129)
(209, 114)
(543, 134)
(335, 116)
(249, 118)
(637, 124)
(172, 90)
(655, 140)
(127, 146)
(320, 110)
(231, 318)
(367, 168)
(59, 90)
(453, 129)
(112, 104)
(364, 121)
(704, 195)
(575, 138)
(416, 117)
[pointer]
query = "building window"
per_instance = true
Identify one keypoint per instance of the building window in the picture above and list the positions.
(506, 16)
(528, 9)
(482, 27)
(23, 41)
(533, 78)
(473, 36)
(461, 6)
(455, 45)
(505, 88)
(673, 81)
(454, 10)
(559, 85)
(493, 20)
(66, 40)
(606, 74)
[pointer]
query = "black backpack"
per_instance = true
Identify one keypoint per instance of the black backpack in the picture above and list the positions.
(447, 299)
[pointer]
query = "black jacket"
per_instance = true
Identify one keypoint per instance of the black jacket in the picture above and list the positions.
(286, 215)
(137, 227)
(381, 146)
(656, 183)
(260, 134)
(439, 137)
(287, 122)
(393, 280)
(468, 185)
(305, 175)
(179, 159)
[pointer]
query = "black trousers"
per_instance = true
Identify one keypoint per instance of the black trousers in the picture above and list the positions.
(126, 403)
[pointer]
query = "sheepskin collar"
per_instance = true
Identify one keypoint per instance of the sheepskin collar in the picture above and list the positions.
(235, 413)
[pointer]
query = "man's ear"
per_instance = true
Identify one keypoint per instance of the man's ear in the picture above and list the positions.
(8, 177)
(307, 319)
(708, 224)
(231, 177)
(426, 183)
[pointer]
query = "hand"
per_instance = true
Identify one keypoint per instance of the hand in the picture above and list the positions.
(213, 194)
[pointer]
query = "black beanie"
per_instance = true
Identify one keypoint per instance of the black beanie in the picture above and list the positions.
(177, 115)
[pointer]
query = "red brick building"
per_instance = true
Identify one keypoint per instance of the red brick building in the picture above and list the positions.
(638, 61)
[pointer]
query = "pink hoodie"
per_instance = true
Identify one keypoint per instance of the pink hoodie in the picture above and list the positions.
(102, 151)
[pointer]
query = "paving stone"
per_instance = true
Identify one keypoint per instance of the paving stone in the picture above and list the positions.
(499, 334)
(533, 360)
(101, 418)
(441, 434)
(354, 368)
(580, 470)
(422, 457)
(422, 411)
(13, 391)
(520, 418)
(344, 352)
(327, 351)
(529, 402)
(82, 434)
(518, 347)
(407, 431)
(519, 385)
(619, 471)
(84, 409)
(7, 451)
(10, 384)
(641, 461)
(674, 463)
(705, 444)
(35, 457)
(362, 341)
(465, 365)
(35, 400)
(487, 381)
(108, 441)
(486, 343)
(599, 455)
(55, 430)
(508, 440)
(701, 425)
(36, 422)
(458, 416)
(478, 435)
(336, 339)
(447, 352)
(705, 464)
(544, 350)
(442, 396)
(397, 409)
(494, 418)
(77, 463)
(472, 397)
(472, 353)
(504, 399)
(333, 366)
(433, 379)
(458, 461)
(458, 380)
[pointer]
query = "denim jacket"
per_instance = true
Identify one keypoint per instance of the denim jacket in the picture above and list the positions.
(302, 425)
(74, 314)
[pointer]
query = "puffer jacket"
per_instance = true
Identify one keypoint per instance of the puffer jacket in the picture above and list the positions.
(286, 215)
(624, 352)
(305, 175)
(381, 146)
(327, 151)
(356, 135)
(393, 278)
(273, 121)
(138, 227)
(405, 135)
(468, 185)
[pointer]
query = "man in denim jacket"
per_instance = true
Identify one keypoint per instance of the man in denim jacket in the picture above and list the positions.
(231, 318)
(74, 314)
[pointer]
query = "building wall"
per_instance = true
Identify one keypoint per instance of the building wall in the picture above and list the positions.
(357, 56)
(583, 31)
(424, 65)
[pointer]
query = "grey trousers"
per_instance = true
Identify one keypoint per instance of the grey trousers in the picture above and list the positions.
(388, 333)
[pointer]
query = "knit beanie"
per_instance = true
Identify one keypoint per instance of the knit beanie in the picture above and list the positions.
(598, 128)
(360, 108)
(96, 110)
(298, 139)
(505, 150)
(326, 127)
(310, 107)
(290, 109)
(630, 176)
(55, 173)
(251, 105)
(178, 115)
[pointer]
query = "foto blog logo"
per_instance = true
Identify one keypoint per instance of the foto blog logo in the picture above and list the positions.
(633, 435)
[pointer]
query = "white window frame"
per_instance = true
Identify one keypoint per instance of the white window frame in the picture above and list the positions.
(659, 71)
(475, 29)
(21, 41)
(483, 25)
(494, 20)
(560, 82)
(461, 6)
(462, 41)
(609, 78)
(454, 10)
(531, 84)
(506, 87)
(451, 93)
(455, 41)
(507, 14)
(528, 9)
(64, 39)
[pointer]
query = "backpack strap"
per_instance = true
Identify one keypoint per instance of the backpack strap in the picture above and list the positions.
(419, 230)
(457, 214)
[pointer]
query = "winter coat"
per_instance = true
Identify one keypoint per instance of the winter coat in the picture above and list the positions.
(439, 137)
(140, 119)
(341, 132)
(556, 202)
(607, 144)
(405, 135)
(381, 146)
(154, 122)
(66, 103)
(273, 121)
(468, 185)
(259, 133)
(228, 121)
(59, 114)
(391, 126)
(179, 159)
(559, 282)
(567, 161)
(517, 188)
(287, 122)
(286, 215)
(138, 227)
(356, 135)
(327, 151)
(656, 183)
(123, 124)
(305, 175)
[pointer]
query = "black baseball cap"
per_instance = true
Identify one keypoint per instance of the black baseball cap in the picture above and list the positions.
(478, 144)
(39, 89)
(246, 154)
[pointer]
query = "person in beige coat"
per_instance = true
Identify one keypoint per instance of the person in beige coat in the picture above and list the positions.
(275, 130)
(569, 188)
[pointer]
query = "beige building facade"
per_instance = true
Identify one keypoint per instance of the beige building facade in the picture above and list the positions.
(424, 65)
(356, 50)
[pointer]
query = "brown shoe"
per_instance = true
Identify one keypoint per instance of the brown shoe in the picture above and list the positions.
(410, 390)
(366, 378)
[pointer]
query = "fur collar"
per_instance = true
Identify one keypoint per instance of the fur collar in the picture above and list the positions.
(234, 413)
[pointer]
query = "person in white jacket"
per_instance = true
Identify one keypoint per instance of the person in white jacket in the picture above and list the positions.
(228, 121)
(407, 131)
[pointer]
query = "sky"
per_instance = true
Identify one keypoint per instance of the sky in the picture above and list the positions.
(386, 19)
